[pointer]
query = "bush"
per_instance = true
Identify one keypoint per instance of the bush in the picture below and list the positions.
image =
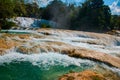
(6, 24)
(45, 26)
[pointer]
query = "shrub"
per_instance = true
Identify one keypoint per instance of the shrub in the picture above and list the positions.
(45, 26)
(6, 24)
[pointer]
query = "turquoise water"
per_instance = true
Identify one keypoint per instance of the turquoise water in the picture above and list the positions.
(26, 71)
(51, 67)
(13, 32)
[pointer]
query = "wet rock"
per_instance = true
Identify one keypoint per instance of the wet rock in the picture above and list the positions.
(72, 51)
(108, 74)
(2, 51)
(96, 56)
(21, 36)
(114, 32)
(29, 44)
(95, 73)
(85, 75)
(6, 45)
(31, 50)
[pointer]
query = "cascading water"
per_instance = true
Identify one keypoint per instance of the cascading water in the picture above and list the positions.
(43, 66)
(16, 65)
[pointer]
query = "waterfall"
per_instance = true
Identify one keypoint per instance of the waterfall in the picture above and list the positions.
(44, 54)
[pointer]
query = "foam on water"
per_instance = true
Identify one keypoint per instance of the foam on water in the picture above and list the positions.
(101, 48)
(116, 70)
(111, 48)
(72, 38)
(44, 59)
(43, 66)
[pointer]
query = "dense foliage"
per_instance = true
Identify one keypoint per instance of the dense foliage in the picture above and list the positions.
(6, 11)
(13, 8)
(92, 15)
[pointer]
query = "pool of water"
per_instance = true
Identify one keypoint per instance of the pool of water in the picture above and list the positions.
(44, 66)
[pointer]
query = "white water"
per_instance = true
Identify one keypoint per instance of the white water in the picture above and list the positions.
(82, 39)
(110, 48)
(44, 59)
(105, 43)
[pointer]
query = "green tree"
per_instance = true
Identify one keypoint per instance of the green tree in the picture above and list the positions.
(32, 10)
(53, 10)
(58, 12)
(6, 11)
(93, 15)
(20, 9)
(115, 22)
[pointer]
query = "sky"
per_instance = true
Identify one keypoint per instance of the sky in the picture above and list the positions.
(108, 2)
(115, 7)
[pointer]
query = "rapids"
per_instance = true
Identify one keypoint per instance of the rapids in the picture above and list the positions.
(27, 61)
(44, 66)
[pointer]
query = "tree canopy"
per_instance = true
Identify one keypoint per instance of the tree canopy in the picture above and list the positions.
(92, 15)
(6, 9)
